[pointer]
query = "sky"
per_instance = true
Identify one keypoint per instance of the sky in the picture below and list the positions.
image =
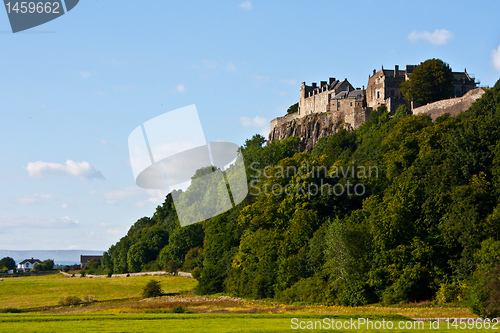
(72, 90)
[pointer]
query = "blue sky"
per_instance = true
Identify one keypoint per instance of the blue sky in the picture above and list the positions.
(73, 89)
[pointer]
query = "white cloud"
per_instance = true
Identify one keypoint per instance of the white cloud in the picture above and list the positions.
(103, 143)
(253, 122)
(288, 81)
(84, 74)
(34, 199)
(256, 121)
(99, 93)
(180, 88)
(495, 58)
(438, 37)
(23, 222)
(231, 67)
(114, 232)
(82, 170)
(156, 197)
(246, 5)
(64, 205)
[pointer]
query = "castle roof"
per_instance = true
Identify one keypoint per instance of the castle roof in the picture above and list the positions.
(353, 94)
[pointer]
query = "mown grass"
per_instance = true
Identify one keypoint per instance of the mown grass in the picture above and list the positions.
(180, 323)
(38, 291)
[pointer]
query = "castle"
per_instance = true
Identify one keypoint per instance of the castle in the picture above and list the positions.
(353, 106)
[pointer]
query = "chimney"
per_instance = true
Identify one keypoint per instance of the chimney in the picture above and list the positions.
(396, 70)
(322, 83)
(363, 87)
(331, 80)
(313, 85)
(374, 71)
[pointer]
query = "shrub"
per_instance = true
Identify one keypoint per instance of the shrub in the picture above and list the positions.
(88, 299)
(310, 290)
(485, 295)
(110, 273)
(82, 273)
(10, 310)
(178, 309)
(152, 289)
(70, 300)
(196, 273)
(449, 292)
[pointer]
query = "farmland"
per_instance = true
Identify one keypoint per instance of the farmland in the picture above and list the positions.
(118, 307)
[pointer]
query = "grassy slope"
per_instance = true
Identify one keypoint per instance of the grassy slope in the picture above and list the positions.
(36, 291)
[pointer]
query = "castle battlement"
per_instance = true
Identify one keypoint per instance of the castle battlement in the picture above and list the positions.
(351, 106)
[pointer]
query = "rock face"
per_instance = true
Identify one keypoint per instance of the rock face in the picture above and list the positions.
(309, 129)
(453, 106)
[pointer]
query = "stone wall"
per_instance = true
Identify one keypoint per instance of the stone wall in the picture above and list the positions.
(453, 106)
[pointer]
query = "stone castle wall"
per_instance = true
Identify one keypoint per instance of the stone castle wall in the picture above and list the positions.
(453, 106)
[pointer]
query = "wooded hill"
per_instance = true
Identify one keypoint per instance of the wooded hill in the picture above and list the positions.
(426, 227)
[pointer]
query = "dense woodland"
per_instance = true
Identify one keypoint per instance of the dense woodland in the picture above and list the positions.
(427, 226)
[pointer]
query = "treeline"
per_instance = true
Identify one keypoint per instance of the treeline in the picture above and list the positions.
(418, 218)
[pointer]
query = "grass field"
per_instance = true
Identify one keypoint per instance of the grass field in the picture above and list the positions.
(120, 309)
(37, 291)
(188, 323)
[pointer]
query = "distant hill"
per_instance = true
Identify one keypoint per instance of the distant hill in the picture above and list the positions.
(59, 256)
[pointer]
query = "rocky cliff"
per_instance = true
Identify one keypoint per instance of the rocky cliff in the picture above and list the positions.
(309, 129)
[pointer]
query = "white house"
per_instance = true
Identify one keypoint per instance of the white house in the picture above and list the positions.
(27, 265)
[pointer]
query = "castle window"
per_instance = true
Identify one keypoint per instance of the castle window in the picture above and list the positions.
(378, 93)
(351, 103)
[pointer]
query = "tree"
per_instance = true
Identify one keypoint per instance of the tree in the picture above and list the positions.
(7, 263)
(293, 108)
(46, 265)
(152, 289)
(430, 81)
(172, 267)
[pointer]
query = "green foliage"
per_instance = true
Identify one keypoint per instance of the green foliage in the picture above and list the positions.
(194, 258)
(7, 263)
(293, 108)
(172, 267)
(46, 265)
(450, 292)
(70, 300)
(196, 273)
(430, 214)
(309, 290)
(10, 310)
(430, 81)
(178, 309)
(152, 289)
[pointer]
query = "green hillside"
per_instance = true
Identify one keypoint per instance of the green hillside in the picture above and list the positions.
(402, 209)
